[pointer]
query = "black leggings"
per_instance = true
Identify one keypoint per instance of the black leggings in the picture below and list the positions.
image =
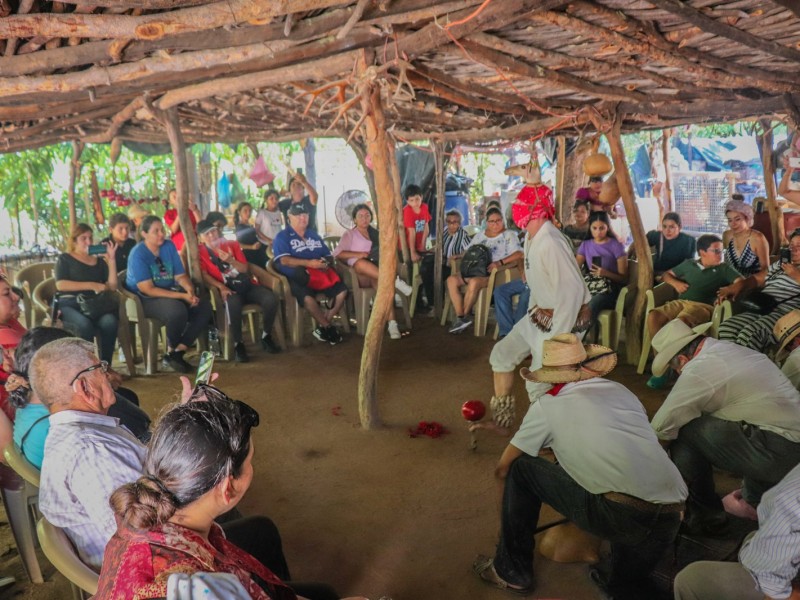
(183, 322)
(258, 294)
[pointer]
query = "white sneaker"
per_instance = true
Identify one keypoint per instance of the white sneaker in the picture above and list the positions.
(402, 287)
(394, 330)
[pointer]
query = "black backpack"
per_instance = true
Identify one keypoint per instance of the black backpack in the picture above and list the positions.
(476, 261)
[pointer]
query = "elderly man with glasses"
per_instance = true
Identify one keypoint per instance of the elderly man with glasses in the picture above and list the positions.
(88, 455)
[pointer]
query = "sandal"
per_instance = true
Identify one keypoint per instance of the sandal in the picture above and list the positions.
(483, 567)
(405, 333)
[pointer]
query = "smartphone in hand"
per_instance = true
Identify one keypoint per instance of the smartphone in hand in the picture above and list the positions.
(97, 249)
(597, 261)
(204, 368)
(786, 255)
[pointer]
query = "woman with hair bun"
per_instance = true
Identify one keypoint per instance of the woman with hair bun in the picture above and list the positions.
(199, 465)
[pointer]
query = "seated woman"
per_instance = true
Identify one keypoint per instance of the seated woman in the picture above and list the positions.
(199, 465)
(359, 249)
(11, 332)
(505, 248)
(31, 424)
(671, 244)
(79, 274)
(174, 223)
(578, 230)
(225, 268)
(156, 274)
(781, 288)
(746, 249)
(606, 263)
(254, 251)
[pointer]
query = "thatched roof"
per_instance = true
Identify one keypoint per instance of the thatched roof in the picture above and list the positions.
(468, 70)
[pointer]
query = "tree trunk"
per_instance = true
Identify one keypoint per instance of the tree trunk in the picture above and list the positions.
(398, 204)
(635, 320)
(775, 216)
(34, 207)
(665, 149)
(172, 124)
(561, 161)
(309, 156)
(74, 173)
(360, 150)
(378, 147)
(438, 295)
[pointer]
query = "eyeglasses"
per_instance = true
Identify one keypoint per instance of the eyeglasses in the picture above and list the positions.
(101, 365)
(495, 221)
(715, 250)
(453, 222)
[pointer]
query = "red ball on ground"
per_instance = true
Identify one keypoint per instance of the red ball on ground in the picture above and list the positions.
(473, 410)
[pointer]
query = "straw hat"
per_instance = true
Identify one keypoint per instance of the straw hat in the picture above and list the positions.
(670, 340)
(565, 359)
(786, 329)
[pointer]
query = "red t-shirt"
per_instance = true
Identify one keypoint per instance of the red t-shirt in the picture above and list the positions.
(10, 335)
(417, 221)
(207, 265)
(170, 217)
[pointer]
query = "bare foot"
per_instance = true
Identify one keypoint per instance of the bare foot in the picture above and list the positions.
(491, 426)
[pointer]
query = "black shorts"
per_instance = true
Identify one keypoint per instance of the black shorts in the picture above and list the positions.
(301, 290)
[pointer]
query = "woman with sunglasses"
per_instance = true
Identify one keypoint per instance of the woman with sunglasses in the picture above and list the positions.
(156, 274)
(199, 465)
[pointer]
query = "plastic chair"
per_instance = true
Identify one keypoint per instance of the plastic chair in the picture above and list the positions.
(416, 283)
(472, 229)
(149, 329)
(28, 278)
(331, 241)
(59, 550)
(21, 465)
(658, 296)
(722, 312)
(609, 322)
(251, 312)
(21, 500)
(362, 297)
(295, 312)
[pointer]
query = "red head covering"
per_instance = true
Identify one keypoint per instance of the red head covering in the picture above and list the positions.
(533, 202)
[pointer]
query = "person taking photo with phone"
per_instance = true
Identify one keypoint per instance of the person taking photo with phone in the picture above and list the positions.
(86, 280)
(303, 193)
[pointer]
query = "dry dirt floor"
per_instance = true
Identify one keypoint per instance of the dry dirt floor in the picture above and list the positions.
(374, 513)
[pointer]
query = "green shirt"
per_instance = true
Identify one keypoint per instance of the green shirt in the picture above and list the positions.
(704, 282)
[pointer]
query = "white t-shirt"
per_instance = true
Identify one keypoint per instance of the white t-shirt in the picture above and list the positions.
(599, 432)
(791, 368)
(502, 245)
(268, 224)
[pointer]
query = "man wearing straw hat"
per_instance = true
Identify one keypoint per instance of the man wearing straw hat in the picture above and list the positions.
(731, 408)
(787, 332)
(612, 479)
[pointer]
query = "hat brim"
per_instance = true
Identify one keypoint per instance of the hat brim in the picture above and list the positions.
(661, 361)
(591, 368)
(787, 339)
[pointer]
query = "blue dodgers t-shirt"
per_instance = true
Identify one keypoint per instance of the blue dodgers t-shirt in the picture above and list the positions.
(162, 269)
(288, 243)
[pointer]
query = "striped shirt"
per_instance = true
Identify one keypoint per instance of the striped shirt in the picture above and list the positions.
(454, 244)
(86, 457)
(780, 286)
(772, 555)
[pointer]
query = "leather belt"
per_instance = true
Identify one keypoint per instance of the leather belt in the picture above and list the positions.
(643, 505)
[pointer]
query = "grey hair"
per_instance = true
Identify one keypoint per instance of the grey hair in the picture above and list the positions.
(55, 364)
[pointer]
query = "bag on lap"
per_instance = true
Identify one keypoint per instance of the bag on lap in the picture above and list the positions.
(94, 305)
(476, 261)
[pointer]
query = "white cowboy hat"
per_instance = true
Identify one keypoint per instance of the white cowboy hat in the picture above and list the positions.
(670, 340)
(786, 329)
(565, 359)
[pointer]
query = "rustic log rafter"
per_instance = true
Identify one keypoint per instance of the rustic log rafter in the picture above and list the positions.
(792, 5)
(461, 98)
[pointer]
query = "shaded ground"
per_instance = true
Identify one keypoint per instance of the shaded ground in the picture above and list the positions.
(372, 512)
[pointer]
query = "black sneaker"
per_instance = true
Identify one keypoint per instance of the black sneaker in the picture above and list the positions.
(240, 353)
(334, 337)
(175, 361)
(268, 344)
(321, 333)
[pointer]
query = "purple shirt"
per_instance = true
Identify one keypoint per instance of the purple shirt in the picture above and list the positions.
(608, 253)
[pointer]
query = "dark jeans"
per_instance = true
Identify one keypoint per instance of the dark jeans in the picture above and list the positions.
(426, 268)
(105, 328)
(508, 316)
(258, 294)
(183, 322)
(605, 301)
(761, 457)
(638, 538)
(259, 537)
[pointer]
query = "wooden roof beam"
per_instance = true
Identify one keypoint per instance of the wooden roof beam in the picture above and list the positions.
(792, 5)
(688, 13)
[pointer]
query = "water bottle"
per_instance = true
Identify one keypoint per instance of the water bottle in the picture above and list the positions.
(213, 341)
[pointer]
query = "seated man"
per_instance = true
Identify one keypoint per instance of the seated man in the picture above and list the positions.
(697, 283)
(224, 267)
(612, 479)
(88, 455)
(731, 408)
(768, 562)
(787, 332)
(303, 257)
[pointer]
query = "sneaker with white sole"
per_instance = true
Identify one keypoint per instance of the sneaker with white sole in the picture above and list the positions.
(461, 324)
(321, 333)
(394, 330)
(402, 287)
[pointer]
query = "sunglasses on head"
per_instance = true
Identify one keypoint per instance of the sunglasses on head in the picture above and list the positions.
(204, 391)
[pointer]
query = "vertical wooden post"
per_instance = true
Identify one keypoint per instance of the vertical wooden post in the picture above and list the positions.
(87, 204)
(378, 145)
(775, 215)
(666, 139)
(398, 203)
(172, 124)
(561, 165)
(74, 173)
(34, 206)
(635, 320)
(359, 149)
(438, 292)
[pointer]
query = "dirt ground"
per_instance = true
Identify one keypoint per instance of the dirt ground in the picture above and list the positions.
(373, 513)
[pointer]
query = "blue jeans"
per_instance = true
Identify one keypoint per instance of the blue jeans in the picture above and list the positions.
(504, 312)
(105, 328)
(638, 538)
(761, 457)
(604, 301)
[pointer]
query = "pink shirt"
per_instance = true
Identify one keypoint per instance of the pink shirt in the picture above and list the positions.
(352, 241)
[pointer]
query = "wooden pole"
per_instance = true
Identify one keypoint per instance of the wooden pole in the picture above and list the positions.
(360, 150)
(74, 173)
(666, 144)
(34, 207)
(561, 161)
(398, 203)
(775, 215)
(172, 124)
(438, 291)
(635, 320)
(378, 147)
